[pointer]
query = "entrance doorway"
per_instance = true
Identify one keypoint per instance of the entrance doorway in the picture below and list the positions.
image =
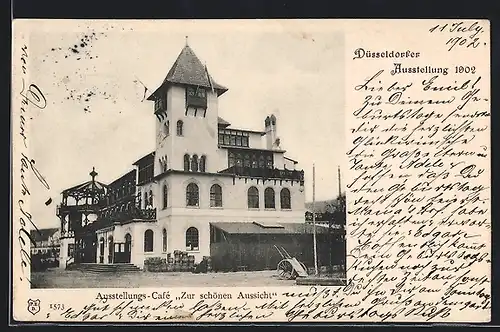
(122, 250)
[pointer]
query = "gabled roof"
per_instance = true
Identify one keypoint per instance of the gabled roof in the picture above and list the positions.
(42, 234)
(86, 189)
(188, 69)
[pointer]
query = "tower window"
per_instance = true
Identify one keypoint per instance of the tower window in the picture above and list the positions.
(285, 199)
(160, 104)
(165, 196)
(269, 202)
(180, 128)
(203, 161)
(216, 196)
(164, 238)
(253, 198)
(196, 97)
(186, 162)
(148, 241)
(192, 239)
(194, 164)
(192, 195)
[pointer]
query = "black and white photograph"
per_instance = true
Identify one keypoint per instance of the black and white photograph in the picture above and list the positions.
(177, 156)
(251, 171)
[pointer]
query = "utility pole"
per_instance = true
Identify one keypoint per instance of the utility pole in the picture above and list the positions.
(314, 222)
(340, 186)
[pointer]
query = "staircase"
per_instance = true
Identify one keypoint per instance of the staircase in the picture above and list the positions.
(106, 268)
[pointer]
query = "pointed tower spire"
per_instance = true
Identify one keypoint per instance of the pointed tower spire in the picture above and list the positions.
(189, 70)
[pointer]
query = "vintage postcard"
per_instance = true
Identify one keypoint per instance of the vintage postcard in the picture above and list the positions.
(194, 171)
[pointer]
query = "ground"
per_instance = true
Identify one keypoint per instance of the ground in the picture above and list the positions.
(58, 278)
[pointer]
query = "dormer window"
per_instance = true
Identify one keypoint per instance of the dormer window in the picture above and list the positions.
(196, 97)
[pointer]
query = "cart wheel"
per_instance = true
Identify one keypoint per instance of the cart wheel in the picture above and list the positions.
(285, 270)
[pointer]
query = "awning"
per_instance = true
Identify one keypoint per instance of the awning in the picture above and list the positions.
(266, 228)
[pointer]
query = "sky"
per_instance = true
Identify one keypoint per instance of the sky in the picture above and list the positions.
(93, 76)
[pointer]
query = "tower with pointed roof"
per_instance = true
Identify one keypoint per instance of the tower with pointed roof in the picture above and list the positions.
(186, 108)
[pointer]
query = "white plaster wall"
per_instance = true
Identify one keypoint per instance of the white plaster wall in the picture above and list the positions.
(63, 252)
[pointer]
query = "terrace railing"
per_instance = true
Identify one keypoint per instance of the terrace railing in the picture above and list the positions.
(265, 173)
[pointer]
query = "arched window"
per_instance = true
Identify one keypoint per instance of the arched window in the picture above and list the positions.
(194, 164)
(192, 239)
(151, 199)
(269, 202)
(148, 241)
(203, 161)
(253, 198)
(192, 195)
(186, 162)
(285, 199)
(180, 128)
(215, 196)
(165, 196)
(164, 239)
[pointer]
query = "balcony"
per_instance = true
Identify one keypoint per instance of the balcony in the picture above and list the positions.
(127, 215)
(265, 173)
(63, 209)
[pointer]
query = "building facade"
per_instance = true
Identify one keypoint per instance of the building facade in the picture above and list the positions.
(46, 241)
(202, 172)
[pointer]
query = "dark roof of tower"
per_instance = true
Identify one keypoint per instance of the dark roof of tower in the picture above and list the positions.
(188, 69)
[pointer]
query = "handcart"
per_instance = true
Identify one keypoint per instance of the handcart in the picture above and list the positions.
(289, 267)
